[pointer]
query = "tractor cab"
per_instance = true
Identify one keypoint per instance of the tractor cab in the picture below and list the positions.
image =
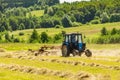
(73, 43)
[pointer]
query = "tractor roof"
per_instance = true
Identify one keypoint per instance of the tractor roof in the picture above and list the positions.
(73, 34)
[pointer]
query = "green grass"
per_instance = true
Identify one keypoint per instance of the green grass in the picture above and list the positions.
(63, 67)
(26, 46)
(36, 13)
(103, 46)
(6, 74)
(90, 31)
(22, 46)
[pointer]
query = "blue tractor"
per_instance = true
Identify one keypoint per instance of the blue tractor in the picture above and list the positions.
(73, 44)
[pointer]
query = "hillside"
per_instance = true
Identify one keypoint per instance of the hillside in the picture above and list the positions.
(90, 31)
(55, 14)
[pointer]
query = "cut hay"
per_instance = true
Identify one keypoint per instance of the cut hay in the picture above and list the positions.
(2, 50)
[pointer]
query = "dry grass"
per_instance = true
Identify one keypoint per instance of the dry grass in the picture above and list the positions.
(2, 50)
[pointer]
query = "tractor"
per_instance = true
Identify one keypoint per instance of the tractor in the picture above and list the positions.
(73, 44)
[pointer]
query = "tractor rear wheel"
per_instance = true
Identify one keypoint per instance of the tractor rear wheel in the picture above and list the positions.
(65, 51)
(88, 53)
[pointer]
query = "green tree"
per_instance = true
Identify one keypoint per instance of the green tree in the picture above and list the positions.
(50, 11)
(60, 13)
(27, 23)
(47, 23)
(7, 37)
(2, 28)
(12, 38)
(58, 37)
(13, 23)
(34, 37)
(22, 26)
(53, 2)
(2, 5)
(44, 37)
(114, 31)
(79, 16)
(16, 40)
(66, 22)
(0, 38)
(6, 25)
(104, 17)
(104, 31)
(115, 17)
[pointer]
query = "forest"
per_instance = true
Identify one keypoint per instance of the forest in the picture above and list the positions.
(13, 17)
(13, 14)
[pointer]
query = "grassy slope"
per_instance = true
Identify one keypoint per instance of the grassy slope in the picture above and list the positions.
(89, 30)
(36, 13)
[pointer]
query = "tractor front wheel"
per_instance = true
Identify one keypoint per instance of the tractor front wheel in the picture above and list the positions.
(65, 51)
(88, 53)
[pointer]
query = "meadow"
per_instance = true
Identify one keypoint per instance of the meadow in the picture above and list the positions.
(15, 59)
(36, 46)
(90, 31)
(36, 13)
(17, 63)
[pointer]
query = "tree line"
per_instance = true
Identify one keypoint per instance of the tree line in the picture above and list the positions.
(43, 37)
(108, 36)
(28, 3)
(85, 12)
(57, 15)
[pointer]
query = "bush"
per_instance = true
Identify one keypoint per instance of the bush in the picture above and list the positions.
(7, 37)
(118, 31)
(34, 37)
(21, 34)
(114, 31)
(63, 32)
(58, 26)
(75, 24)
(16, 40)
(95, 22)
(47, 23)
(113, 37)
(1, 39)
(104, 31)
(56, 22)
(58, 37)
(44, 37)
(115, 17)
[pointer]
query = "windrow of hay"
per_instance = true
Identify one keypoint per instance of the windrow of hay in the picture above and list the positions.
(2, 50)
(75, 63)
(44, 71)
(39, 71)
(45, 50)
(83, 76)
(103, 77)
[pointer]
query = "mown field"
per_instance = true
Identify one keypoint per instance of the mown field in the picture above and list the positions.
(36, 13)
(26, 46)
(17, 63)
(23, 65)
